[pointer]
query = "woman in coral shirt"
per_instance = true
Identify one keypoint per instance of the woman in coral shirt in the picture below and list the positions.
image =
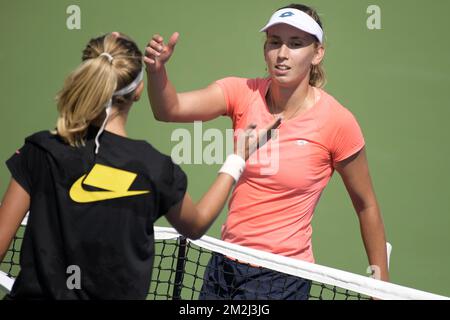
(271, 207)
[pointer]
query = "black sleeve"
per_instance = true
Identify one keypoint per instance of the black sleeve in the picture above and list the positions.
(172, 187)
(20, 165)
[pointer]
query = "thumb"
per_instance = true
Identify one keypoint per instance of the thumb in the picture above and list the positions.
(274, 124)
(173, 40)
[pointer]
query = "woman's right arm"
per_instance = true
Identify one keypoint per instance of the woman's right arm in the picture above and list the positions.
(193, 220)
(168, 105)
(13, 208)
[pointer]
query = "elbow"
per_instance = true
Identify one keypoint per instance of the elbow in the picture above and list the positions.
(162, 117)
(194, 234)
(166, 114)
(194, 237)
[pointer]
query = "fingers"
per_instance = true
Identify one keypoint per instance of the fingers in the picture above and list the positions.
(157, 53)
(248, 141)
(250, 135)
(250, 128)
(153, 49)
(275, 124)
(268, 130)
(157, 43)
(157, 38)
(251, 140)
(149, 60)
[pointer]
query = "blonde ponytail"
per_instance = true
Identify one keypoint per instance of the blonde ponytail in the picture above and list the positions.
(90, 86)
(83, 98)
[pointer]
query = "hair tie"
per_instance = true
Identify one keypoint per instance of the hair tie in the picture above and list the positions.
(106, 54)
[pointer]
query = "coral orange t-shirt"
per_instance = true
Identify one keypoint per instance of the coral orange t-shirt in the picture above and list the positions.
(272, 205)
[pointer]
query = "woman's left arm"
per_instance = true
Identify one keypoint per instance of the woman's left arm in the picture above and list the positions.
(13, 208)
(356, 177)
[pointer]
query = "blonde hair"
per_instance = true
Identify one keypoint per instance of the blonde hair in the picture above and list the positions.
(317, 76)
(89, 87)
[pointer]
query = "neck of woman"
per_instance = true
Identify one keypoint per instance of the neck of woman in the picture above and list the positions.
(117, 125)
(289, 99)
(116, 122)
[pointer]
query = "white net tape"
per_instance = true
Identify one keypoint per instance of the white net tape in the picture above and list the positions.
(317, 273)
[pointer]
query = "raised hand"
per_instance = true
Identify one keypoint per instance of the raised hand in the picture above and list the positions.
(157, 53)
(250, 140)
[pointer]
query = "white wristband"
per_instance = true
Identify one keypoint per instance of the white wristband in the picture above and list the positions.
(233, 166)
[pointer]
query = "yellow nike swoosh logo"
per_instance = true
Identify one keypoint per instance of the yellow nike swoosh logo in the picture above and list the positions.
(117, 183)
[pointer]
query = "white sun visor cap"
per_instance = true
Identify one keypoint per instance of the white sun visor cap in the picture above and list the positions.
(298, 19)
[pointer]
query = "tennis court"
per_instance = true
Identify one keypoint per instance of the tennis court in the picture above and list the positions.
(394, 80)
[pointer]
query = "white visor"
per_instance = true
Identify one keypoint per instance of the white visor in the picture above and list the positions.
(298, 19)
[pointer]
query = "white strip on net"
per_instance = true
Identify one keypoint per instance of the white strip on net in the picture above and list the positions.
(317, 273)
(342, 279)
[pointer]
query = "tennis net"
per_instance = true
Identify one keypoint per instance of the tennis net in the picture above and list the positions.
(180, 265)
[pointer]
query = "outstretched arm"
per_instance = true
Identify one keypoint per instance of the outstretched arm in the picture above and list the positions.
(193, 220)
(356, 177)
(13, 208)
(166, 103)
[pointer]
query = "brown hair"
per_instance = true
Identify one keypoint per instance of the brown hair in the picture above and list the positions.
(317, 76)
(89, 87)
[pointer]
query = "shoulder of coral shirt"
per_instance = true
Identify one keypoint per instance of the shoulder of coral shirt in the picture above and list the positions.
(273, 203)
